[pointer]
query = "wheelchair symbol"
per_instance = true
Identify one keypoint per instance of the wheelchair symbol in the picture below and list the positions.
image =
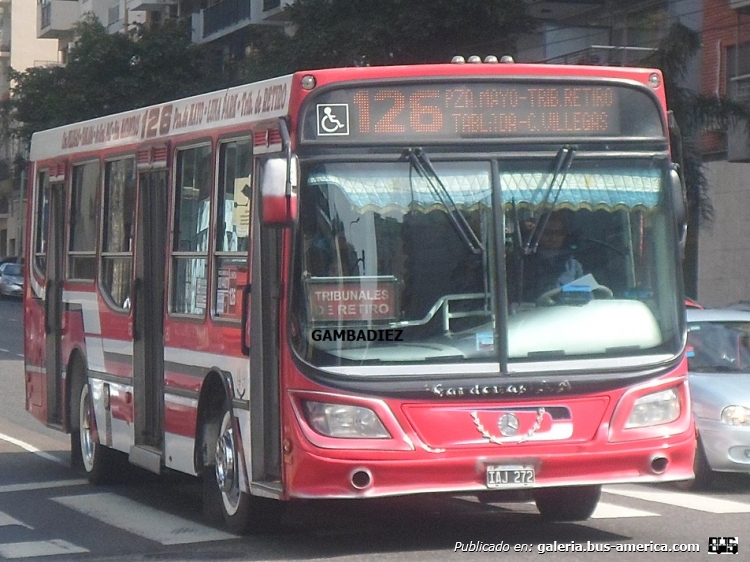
(333, 119)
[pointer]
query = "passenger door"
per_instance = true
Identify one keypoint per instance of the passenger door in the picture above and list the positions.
(53, 299)
(147, 309)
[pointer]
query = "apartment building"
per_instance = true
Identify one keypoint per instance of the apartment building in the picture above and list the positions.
(213, 21)
(19, 49)
(724, 250)
(602, 32)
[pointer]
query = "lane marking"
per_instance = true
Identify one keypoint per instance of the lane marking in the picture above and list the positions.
(683, 499)
(6, 520)
(31, 449)
(28, 486)
(39, 548)
(606, 510)
(142, 520)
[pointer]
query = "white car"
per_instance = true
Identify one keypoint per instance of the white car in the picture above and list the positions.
(11, 280)
(719, 373)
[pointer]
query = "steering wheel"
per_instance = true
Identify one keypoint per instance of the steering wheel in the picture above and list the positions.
(548, 298)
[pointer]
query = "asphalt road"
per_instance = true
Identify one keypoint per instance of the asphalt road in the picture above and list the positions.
(49, 513)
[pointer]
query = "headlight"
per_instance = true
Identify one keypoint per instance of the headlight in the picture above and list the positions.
(655, 409)
(344, 421)
(735, 415)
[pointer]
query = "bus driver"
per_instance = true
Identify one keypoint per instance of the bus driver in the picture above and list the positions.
(553, 263)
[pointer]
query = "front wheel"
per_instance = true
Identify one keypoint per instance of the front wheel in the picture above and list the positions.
(574, 503)
(96, 460)
(704, 475)
(241, 511)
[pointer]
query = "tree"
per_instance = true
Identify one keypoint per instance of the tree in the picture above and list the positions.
(329, 33)
(694, 113)
(108, 73)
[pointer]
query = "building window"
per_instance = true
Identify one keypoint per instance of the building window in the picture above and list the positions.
(113, 15)
(738, 72)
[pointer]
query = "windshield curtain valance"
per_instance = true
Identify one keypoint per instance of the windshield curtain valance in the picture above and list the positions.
(397, 191)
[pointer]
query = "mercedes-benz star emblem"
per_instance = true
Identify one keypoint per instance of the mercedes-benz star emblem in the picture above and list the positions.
(508, 425)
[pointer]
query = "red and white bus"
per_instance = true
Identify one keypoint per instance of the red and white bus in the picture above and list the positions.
(322, 286)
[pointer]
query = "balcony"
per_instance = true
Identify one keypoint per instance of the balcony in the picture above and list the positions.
(738, 139)
(220, 19)
(229, 16)
(605, 55)
(149, 5)
(55, 18)
(271, 11)
(562, 9)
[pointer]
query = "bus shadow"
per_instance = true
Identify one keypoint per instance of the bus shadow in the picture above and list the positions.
(424, 523)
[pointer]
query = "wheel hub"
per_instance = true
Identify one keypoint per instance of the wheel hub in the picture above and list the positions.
(88, 442)
(225, 461)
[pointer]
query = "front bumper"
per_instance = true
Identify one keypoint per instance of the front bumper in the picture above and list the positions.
(314, 476)
(13, 291)
(727, 447)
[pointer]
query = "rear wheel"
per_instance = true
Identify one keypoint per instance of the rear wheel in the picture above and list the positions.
(241, 511)
(575, 503)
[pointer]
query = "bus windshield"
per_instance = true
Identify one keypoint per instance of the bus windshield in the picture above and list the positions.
(406, 263)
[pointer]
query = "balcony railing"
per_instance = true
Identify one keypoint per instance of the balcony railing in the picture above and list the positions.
(605, 55)
(739, 88)
(225, 14)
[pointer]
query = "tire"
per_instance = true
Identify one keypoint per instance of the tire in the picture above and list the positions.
(96, 461)
(704, 476)
(242, 512)
(575, 503)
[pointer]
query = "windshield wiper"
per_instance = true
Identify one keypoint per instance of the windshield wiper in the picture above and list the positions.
(563, 160)
(419, 161)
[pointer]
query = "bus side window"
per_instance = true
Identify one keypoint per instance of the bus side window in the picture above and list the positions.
(82, 243)
(234, 203)
(192, 218)
(118, 220)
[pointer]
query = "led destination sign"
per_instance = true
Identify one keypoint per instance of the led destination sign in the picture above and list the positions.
(481, 110)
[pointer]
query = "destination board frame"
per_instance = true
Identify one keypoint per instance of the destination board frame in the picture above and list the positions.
(480, 109)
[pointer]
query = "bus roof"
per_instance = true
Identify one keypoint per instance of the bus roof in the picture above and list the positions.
(270, 99)
(259, 101)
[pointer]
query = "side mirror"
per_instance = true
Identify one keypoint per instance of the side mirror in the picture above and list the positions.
(678, 196)
(278, 191)
(680, 206)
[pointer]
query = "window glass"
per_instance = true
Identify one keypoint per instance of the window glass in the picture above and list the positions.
(192, 222)
(118, 219)
(390, 246)
(193, 199)
(738, 71)
(42, 221)
(233, 218)
(83, 221)
(719, 347)
(235, 162)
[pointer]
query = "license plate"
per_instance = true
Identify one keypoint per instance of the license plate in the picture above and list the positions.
(509, 476)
